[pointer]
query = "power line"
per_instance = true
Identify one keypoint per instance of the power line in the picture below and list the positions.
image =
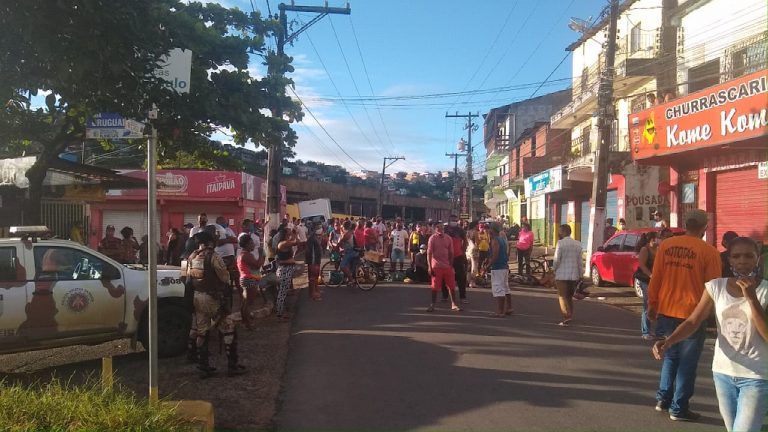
(370, 86)
(488, 51)
(333, 83)
(354, 82)
(324, 129)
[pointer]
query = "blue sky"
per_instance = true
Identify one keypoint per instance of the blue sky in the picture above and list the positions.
(413, 48)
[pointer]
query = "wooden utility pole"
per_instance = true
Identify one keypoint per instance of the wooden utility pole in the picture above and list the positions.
(605, 135)
(274, 160)
(470, 126)
(455, 193)
(384, 167)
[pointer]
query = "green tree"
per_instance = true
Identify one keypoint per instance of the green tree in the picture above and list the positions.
(91, 56)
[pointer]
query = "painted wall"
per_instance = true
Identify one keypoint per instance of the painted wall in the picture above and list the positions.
(709, 30)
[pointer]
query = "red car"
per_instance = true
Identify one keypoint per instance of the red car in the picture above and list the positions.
(616, 260)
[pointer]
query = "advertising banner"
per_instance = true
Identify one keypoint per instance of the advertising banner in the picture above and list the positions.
(544, 182)
(718, 115)
(188, 183)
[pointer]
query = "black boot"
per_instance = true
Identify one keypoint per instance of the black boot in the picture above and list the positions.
(192, 350)
(233, 367)
(206, 370)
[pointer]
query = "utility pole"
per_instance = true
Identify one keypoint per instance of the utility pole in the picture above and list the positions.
(384, 167)
(274, 160)
(455, 193)
(470, 126)
(605, 125)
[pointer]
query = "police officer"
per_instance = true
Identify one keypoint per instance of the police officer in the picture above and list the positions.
(210, 280)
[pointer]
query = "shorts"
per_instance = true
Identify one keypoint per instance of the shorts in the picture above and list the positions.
(397, 255)
(500, 282)
(443, 275)
(348, 259)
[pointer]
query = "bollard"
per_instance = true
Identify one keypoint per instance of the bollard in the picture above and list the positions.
(106, 374)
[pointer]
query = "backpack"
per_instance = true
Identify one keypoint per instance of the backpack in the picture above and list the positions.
(201, 272)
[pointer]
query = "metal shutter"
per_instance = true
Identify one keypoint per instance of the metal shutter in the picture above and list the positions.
(741, 204)
(131, 218)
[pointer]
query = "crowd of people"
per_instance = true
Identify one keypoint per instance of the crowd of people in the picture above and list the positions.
(683, 280)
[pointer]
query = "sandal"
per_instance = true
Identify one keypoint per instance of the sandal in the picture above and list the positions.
(456, 308)
(317, 298)
(564, 323)
(284, 318)
(431, 308)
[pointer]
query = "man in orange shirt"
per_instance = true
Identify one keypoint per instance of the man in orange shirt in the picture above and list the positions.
(681, 267)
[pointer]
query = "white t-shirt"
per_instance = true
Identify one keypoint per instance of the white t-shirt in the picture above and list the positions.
(380, 228)
(301, 233)
(227, 249)
(740, 351)
(399, 239)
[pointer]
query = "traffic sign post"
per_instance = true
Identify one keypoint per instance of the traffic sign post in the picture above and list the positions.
(113, 126)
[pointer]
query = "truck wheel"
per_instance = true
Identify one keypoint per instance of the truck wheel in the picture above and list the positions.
(173, 323)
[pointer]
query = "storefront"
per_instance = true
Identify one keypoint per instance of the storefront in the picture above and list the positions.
(182, 196)
(715, 143)
(541, 209)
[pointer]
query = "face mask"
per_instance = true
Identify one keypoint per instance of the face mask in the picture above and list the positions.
(453, 223)
(738, 275)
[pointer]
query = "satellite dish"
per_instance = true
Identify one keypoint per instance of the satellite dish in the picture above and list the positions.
(580, 25)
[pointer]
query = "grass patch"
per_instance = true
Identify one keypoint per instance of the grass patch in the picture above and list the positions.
(62, 406)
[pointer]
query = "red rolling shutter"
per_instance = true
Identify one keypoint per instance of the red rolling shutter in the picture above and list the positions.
(741, 204)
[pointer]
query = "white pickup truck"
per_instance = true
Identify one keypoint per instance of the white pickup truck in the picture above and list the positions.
(56, 293)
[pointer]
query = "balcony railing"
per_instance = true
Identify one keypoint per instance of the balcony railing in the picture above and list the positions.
(580, 146)
(640, 45)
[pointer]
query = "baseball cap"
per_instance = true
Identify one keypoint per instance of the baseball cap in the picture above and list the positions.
(657, 213)
(188, 225)
(697, 215)
(110, 227)
(423, 247)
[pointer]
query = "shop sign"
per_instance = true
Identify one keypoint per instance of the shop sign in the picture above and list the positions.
(762, 170)
(547, 181)
(718, 115)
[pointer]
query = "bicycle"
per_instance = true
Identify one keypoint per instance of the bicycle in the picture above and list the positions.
(541, 264)
(366, 273)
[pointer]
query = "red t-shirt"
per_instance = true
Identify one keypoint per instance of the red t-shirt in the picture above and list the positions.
(371, 236)
(359, 237)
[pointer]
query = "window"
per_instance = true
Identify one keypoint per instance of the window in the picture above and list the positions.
(63, 263)
(749, 59)
(704, 75)
(533, 146)
(584, 79)
(614, 244)
(517, 163)
(630, 242)
(8, 265)
(634, 39)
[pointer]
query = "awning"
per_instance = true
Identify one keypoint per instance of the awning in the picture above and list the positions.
(64, 173)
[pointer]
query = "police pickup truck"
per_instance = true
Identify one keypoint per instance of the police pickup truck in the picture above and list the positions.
(56, 293)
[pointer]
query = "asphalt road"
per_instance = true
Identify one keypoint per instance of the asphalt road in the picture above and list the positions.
(377, 360)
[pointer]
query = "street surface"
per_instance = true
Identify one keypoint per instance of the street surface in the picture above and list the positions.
(376, 360)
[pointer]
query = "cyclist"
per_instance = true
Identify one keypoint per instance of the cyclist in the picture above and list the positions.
(347, 246)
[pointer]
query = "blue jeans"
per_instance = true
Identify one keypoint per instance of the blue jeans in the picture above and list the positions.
(645, 323)
(678, 368)
(743, 401)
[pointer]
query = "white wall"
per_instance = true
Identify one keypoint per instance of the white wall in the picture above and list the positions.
(714, 26)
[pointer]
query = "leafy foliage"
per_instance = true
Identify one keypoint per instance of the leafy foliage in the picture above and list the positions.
(91, 56)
